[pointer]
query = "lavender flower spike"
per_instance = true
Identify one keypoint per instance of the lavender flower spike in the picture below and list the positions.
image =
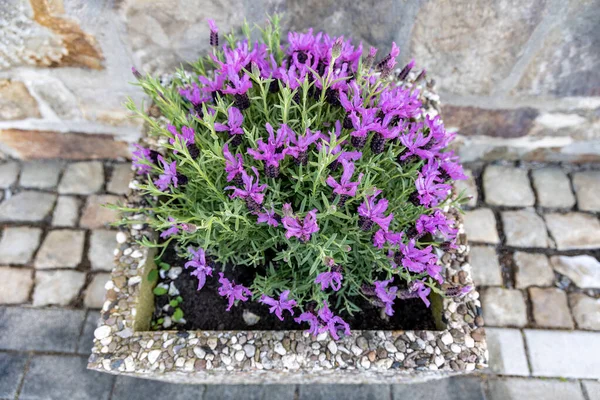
(234, 166)
(198, 263)
(232, 291)
(422, 290)
(372, 212)
(168, 177)
(331, 279)
(386, 295)
(173, 230)
(214, 33)
(301, 229)
(142, 158)
(252, 192)
(278, 306)
(345, 187)
(332, 323)
(269, 217)
(313, 322)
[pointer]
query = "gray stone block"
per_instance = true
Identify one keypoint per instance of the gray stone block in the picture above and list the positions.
(326, 392)
(553, 188)
(40, 174)
(550, 308)
(66, 212)
(18, 244)
(64, 377)
(587, 187)
(507, 352)
(507, 186)
(8, 174)
(101, 252)
(250, 392)
(534, 389)
(485, 266)
(480, 226)
(127, 388)
(82, 178)
(504, 307)
(466, 388)
(524, 228)
(15, 285)
(574, 230)
(30, 329)
(62, 248)
(27, 206)
(84, 345)
(532, 270)
(12, 367)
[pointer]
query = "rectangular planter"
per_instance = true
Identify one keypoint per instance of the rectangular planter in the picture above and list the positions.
(124, 345)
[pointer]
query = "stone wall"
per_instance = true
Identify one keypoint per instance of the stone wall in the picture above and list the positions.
(519, 78)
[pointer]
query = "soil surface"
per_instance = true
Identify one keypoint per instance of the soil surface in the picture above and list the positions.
(206, 309)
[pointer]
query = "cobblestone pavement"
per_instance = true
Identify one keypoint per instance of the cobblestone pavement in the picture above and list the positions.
(535, 244)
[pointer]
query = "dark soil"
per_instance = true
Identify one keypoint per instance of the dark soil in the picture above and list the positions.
(206, 309)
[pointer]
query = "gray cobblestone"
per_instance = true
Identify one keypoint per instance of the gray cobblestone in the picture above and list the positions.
(485, 266)
(504, 307)
(586, 311)
(534, 389)
(40, 174)
(18, 244)
(480, 226)
(532, 270)
(95, 215)
(57, 287)
(27, 206)
(30, 329)
(69, 242)
(82, 178)
(583, 270)
(524, 228)
(15, 285)
(587, 188)
(101, 251)
(550, 308)
(84, 346)
(469, 187)
(464, 388)
(66, 212)
(507, 351)
(507, 186)
(119, 179)
(574, 230)
(12, 367)
(94, 293)
(9, 171)
(362, 392)
(127, 388)
(553, 188)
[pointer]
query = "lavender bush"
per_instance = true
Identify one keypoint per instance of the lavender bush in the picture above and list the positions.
(307, 162)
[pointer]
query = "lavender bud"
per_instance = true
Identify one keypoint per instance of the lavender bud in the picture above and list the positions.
(336, 50)
(136, 73)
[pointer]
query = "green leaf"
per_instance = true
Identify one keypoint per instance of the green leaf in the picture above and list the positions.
(160, 291)
(178, 314)
(153, 275)
(164, 266)
(174, 303)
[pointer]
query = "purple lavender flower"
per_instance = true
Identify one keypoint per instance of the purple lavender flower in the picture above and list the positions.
(413, 258)
(332, 323)
(187, 135)
(356, 104)
(416, 144)
(142, 159)
(252, 192)
(430, 192)
(404, 73)
(436, 224)
(313, 322)
(195, 96)
(234, 122)
(422, 290)
(331, 279)
(372, 212)
(345, 187)
(214, 33)
(382, 237)
(136, 73)
(301, 229)
(198, 263)
(362, 126)
(283, 137)
(386, 295)
(269, 152)
(232, 291)
(299, 150)
(173, 229)
(278, 306)
(269, 217)
(168, 177)
(238, 88)
(234, 166)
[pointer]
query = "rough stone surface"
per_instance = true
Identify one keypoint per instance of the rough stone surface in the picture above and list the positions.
(583, 270)
(586, 311)
(564, 354)
(12, 367)
(15, 285)
(524, 228)
(82, 178)
(507, 352)
(480, 226)
(37, 145)
(40, 174)
(323, 392)
(102, 245)
(86, 340)
(66, 212)
(119, 179)
(57, 287)
(463, 388)
(521, 389)
(95, 215)
(30, 329)
(27, 206)
(587, 188)
(507, 186)
(18, 244)
(8, 174)
(127, 388)
(532, 270)
(553, 188)
(16, 102)
(504, 307)
(95, 292)
(469, 187)
(69, 242)
(550, 308)
(486, 269)
(64, 377)
(477, 122)
(574, 230)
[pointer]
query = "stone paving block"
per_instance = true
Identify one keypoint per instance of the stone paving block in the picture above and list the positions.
(66, 212)
(507, 186)
(62, 248)
(574, 230)
(586, 311)
(15, 285)
(550, 308)
(532, 270)
(564, 354)
(587, 188)
(64, 377)
(469, 187)
(119, 179)
(480, 226)
(583, 271)
(127, 388)
(464, 388)
(31, 329)
(553, 188)
(507, 351)
(85, 343)
(18, 244)
(27, 206)
(485, 267)
(534, 389)
(9, 171)
(101, 251)
(592, 388)
(250, 392)
(94, 293)
(40, 174)
(12, 367)
(82, 178)
(504, 307)
(524, 228)
(57, 287)
(333, 391)
(95, 215)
